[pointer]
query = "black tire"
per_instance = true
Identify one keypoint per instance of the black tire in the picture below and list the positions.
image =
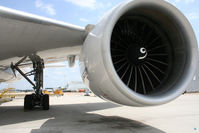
(45, 102)
(28, 102)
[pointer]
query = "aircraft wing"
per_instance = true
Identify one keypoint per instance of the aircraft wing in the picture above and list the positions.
(23, 33)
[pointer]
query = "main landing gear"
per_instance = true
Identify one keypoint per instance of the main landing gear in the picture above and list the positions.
(37, 98)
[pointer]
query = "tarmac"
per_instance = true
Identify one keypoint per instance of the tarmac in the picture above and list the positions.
(75, 113)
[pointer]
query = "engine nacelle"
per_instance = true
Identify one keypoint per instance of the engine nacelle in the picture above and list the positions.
(142, 53)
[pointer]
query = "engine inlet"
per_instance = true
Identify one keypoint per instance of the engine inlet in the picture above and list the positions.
(141, 54)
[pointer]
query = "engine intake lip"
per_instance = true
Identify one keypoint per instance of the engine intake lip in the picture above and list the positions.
(165, 15)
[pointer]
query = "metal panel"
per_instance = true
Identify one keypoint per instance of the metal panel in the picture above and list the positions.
(22, 33)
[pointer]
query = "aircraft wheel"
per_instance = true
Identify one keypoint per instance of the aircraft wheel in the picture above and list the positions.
(45, 102)
(28, 102)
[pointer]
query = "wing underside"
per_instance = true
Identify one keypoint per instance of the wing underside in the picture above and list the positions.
(22, 34)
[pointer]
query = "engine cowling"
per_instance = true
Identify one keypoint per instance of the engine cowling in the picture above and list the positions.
(142, 53)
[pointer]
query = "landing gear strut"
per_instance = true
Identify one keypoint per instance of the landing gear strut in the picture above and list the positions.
(37, 98)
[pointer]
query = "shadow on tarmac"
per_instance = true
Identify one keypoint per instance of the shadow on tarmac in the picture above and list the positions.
(74, 118)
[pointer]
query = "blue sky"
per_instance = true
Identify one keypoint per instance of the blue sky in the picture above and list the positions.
(81, 12)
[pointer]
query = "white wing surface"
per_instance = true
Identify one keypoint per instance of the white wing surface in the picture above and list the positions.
(23, 33)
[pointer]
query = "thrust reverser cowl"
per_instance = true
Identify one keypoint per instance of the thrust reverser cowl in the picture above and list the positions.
(142, 53)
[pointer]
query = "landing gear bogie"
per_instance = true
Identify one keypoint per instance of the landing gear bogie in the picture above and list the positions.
(30, 101)
(37, 98)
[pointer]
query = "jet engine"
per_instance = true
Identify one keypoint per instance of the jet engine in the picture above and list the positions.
(141, 53)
